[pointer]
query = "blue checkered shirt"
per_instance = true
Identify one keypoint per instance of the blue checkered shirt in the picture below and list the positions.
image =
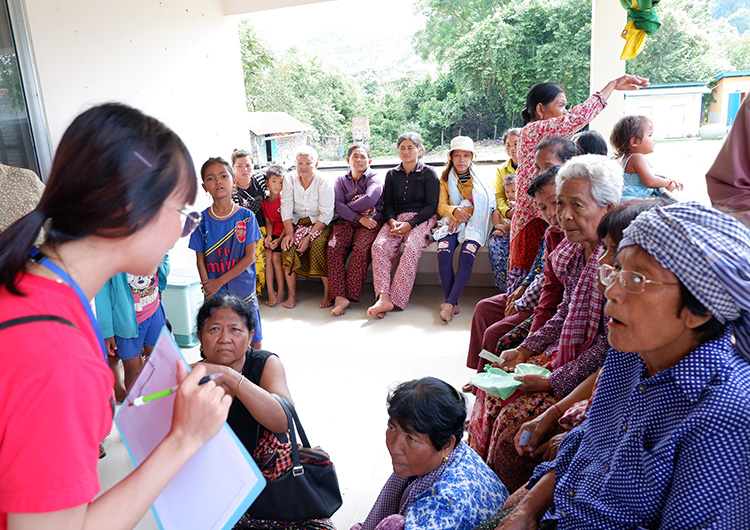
(670, 451)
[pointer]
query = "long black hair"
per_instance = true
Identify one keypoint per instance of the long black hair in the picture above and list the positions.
(540, 93)
(112, 172)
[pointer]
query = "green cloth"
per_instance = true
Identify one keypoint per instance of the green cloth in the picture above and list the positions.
(501, 384)
(644, 17)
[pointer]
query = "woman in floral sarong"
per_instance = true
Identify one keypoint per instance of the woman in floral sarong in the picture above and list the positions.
(572, 343)
(306, 211)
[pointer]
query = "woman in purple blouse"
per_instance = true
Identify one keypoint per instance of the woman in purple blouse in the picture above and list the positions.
(359, 204)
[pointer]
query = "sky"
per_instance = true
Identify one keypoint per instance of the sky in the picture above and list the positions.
(351, 19)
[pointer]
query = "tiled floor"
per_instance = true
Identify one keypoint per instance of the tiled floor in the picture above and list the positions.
(339, 371)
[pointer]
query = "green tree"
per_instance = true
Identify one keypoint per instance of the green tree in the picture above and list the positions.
(447, 21)
(257, 60)
(685, 49)
(521, 45)
(11, 93)
(301, 85)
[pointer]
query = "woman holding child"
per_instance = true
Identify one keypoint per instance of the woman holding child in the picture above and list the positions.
(467, 202)
(306, 211)
(572, 343)
(498, 243)
(359, 204)
(411, 194)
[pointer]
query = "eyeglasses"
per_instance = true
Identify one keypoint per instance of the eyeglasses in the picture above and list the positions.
(630, 281)
(192, 220)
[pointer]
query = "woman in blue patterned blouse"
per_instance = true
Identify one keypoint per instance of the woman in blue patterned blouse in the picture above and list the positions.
(438, 482)
(664, 444)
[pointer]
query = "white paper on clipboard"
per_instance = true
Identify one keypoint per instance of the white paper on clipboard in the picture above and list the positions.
(217, 485)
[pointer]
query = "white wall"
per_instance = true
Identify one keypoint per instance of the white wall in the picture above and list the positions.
(674, 115)
(177, 60)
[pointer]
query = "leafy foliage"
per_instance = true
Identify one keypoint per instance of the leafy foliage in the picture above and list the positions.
(295, 83)
(488, 54)
(447, 22)
(524, 44)
(12, 99)
(685, 49)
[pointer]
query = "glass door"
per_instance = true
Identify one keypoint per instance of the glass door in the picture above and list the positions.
(17, 146)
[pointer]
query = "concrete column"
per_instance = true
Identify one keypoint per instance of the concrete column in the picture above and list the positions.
(608, 19)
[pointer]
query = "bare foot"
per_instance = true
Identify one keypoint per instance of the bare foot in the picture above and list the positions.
(380, 308)
(468, 387)
(456, 310)
(446, 311)
(325, 302)
(340, 306)
(272, 300)
(291, 302)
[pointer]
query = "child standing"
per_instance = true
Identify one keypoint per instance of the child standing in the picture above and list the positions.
(225, 242)
(632, 139)
(274, 227)
(131, 315)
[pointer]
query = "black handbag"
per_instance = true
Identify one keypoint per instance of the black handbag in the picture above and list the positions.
(308, 490)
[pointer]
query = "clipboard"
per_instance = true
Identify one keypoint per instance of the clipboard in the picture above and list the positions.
(218, 484)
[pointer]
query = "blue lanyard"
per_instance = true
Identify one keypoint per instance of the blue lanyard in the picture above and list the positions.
(46, 262)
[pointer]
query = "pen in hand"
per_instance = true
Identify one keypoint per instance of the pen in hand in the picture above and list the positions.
(142, 400)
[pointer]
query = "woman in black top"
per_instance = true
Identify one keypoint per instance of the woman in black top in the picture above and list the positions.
(225, 330)
(410, 196)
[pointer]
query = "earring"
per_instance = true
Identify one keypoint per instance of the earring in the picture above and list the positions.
(445, 459)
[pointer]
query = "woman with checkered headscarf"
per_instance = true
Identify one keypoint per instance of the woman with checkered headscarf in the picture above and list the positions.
(665, 441)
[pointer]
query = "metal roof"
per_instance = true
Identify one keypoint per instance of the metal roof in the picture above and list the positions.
(738, 73)
(261, 123)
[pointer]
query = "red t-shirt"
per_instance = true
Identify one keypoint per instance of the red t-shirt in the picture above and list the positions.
(272, 212)
(55, 391)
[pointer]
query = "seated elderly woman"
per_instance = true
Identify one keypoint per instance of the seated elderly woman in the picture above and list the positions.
(570, 411)
(438, 482)
(572, 343)
(306, 211)
(250, 376)
(359, 203)
(664, 444)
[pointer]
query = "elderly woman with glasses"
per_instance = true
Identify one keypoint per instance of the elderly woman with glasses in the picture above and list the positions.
(571, 343)
(665, 441)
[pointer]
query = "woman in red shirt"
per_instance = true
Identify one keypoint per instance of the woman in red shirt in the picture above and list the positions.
(115, 202)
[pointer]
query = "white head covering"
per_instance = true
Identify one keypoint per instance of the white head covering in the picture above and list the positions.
(462, 143)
